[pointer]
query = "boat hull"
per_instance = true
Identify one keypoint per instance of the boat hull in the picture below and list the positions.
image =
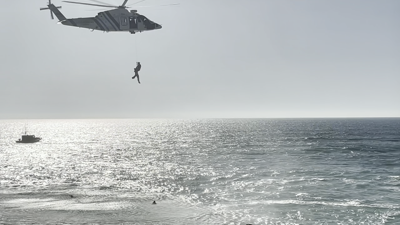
(30, 141)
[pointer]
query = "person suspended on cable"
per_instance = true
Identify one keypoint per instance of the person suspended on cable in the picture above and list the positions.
(137, 69)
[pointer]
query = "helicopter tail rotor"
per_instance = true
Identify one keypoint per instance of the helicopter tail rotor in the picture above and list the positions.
(51, 11)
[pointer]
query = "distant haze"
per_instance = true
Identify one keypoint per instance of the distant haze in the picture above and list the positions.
(242, 58)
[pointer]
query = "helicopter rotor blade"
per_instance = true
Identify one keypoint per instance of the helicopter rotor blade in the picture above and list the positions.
(137, 2)
(81, 3)
(158, 5)
(101, 2)
(123, 4)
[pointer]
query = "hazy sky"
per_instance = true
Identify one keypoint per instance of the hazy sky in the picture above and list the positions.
(212, 58)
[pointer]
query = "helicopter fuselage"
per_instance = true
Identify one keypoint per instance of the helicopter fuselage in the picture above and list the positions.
(119, 19)
(114, 20)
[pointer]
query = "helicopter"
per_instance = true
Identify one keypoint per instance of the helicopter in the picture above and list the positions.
(118, 19)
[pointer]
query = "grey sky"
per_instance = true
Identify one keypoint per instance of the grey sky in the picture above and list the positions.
(212, 58)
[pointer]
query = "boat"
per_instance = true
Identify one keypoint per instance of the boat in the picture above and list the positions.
(28, 139)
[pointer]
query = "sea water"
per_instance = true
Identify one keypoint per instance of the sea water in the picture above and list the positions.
(205, 171)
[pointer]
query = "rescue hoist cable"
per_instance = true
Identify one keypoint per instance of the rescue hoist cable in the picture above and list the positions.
(136, 49)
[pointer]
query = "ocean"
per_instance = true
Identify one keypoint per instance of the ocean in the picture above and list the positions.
(201, 171)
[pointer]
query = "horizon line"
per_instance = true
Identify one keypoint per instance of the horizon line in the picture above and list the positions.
(194, 118)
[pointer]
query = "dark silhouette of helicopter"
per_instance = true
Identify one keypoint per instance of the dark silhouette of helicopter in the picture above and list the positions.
(118, 19)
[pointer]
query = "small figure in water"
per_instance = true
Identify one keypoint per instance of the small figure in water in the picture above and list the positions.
(154, 202)
(137, 69)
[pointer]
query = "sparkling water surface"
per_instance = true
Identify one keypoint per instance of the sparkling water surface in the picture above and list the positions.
(210, 171)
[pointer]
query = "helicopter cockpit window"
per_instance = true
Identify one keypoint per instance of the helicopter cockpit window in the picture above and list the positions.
(142, 18)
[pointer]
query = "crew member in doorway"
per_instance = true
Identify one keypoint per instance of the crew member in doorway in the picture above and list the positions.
(137, 69)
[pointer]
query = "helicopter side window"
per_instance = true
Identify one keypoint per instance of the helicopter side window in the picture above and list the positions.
(124, 21)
